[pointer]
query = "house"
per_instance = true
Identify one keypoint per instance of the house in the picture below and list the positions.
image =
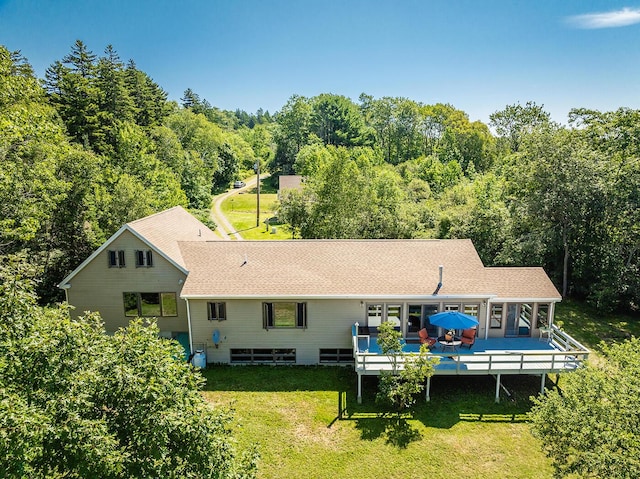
(289, 182)
(298, 301)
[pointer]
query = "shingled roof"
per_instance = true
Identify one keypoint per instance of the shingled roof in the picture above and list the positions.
(161, 231)
(352, 268)
(326, 268)
(165, 229)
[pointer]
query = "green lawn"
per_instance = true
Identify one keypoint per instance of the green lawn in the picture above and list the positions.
(293, 415)
(240, 210)
(307, 424)
(592, 327)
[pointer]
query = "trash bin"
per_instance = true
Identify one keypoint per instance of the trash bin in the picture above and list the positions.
(199, 359)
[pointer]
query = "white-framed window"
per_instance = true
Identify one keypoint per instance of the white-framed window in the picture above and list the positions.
(377, 313)
(116, 258)
(495, 321)
(144, 258)
(217, 311)
(374, 315)
(451, 307)
(471, 309)
(284, 315)
(394, 314)
(519, 316)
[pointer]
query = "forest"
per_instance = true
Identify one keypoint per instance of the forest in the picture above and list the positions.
(97, 143)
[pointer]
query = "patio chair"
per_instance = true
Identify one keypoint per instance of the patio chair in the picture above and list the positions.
(468, 337)
(425, 339)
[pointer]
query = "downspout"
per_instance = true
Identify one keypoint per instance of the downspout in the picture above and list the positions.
(66, 288)
(66, 292)
(189, 323)
(487, 319)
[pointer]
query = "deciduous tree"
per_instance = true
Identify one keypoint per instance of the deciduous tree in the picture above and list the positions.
(590, 427)
(77, 403)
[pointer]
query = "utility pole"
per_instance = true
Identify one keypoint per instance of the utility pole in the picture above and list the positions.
(256, 167)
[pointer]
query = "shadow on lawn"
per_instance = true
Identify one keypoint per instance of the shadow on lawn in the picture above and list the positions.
(454, 399)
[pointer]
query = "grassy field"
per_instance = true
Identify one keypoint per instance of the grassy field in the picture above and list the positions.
(307, 424)
(240, 210)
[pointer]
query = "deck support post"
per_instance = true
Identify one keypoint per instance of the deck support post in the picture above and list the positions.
(428, 389)
(359, 388)
(498, 388)
(542, 382)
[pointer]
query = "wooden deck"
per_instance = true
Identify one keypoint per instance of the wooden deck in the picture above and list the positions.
(497, 356)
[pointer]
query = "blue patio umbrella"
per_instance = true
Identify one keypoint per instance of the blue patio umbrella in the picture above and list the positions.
(453, 320)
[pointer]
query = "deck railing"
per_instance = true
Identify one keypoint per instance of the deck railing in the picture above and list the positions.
(483, 363)
(564, 341)
(569, 355)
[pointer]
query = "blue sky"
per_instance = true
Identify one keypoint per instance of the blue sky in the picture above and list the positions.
(476, 55)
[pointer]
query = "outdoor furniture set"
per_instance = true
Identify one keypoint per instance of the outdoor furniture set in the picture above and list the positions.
(468, 338)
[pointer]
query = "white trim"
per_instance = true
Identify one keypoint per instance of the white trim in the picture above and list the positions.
(64, 283)
(487, 319)
(524, 300)
(364, 297)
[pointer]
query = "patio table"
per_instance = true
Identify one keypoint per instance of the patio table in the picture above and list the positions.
(449, 344)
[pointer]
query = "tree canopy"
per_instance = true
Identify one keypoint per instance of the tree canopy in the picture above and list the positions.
(77, 403)
(590, 427)
(99, 145)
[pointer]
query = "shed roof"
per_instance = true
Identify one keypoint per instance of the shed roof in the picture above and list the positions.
(289, 182)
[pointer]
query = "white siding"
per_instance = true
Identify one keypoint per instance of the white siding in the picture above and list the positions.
(328, 326)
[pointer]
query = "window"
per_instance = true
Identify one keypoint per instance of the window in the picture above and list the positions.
(263, 356)
(471, 310)
(394, 313)
(144, 259)
(452, 307)
(150, 304)
(116, 259)
(415, 318)
(217, 311)
(284, 315)
(496, 316)
(518, 319)
(377, 313)
(542, 318)
(334, 355)
(169, 304)
(374, 315)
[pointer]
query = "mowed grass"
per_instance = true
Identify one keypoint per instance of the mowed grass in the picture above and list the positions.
(592, 327)
(306, 424)
(240, 210)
